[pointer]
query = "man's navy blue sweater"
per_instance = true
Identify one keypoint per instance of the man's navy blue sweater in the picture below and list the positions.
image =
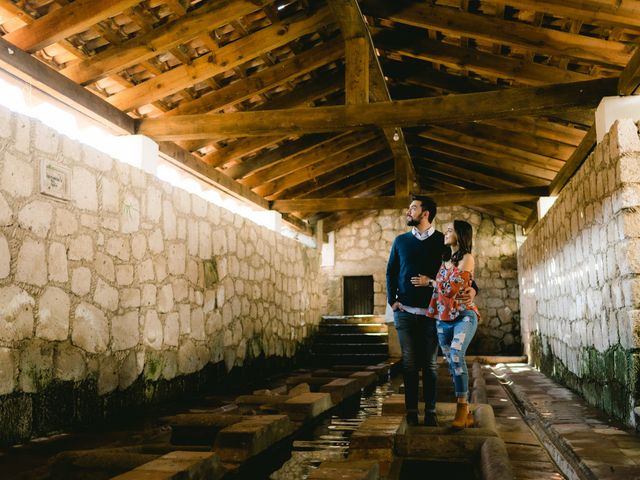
(411, 257)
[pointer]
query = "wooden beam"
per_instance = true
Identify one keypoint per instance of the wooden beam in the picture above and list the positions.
(309, 157)
(630, 77)
(357, 70)
(477, 197)
(34, 72)
(622, 14)
(148, 45)
(223, 59)
(460, 58)
(452, 108)
(573, 164)
(489, 158)
(352, 25)
(68, 20)
(189, 162)
(263, 80)
(451, 21)
(279, 187)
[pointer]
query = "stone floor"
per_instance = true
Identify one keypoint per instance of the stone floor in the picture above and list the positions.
(582, 439)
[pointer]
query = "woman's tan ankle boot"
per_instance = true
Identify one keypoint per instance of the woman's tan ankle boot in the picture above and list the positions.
(463, 418)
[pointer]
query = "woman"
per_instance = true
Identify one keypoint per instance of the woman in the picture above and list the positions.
(456, 322)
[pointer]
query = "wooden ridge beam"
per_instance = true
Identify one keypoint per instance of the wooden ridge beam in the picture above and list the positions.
(223, 59)
(493, 29)
(451, 108)
(148, 45)
(476, 197)
(353, 26)
(520, 70)
(263, 80)
(68, 20)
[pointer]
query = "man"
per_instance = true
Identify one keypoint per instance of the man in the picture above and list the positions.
(414, 255)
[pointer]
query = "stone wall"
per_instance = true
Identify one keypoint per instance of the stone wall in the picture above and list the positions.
(579, 282)
(132, 282)
(362, 248)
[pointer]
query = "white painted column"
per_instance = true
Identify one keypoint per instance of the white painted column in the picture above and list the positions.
(615, 108)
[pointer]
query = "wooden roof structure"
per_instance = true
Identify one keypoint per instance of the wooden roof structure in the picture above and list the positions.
(321, 109)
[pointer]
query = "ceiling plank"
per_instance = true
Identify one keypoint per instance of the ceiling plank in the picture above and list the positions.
(476, 197)
(68, 20)
(223, 59)
(450, 108)
(510, 68)
(439, 164)
(143, 47)
(492, 29)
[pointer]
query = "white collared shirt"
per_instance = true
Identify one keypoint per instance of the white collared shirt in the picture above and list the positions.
(424, 235)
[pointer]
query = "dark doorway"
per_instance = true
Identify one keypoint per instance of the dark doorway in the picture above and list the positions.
(358, 295)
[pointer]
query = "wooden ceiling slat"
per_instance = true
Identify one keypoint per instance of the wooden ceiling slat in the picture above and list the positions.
(142, 47)
(279, 187)
(489, 146)
(436, 164)
(491, 158)
(473, 162)
(482, 63)
(309, 157)
(515, 34)
(280, 154)
(263, 80)
(467, 107)
(539, 128)
(225, 58)
(64, 22)
(477, 197)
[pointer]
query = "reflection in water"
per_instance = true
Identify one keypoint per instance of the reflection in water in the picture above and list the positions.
(330, 440)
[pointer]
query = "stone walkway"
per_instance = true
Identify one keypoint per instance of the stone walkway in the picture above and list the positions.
(583, 441)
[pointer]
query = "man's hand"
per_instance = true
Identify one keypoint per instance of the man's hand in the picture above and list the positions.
(395, 306)
(466, 296)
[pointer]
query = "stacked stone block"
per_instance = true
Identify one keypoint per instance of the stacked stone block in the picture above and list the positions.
(362, 248)
(579, 278)
(110, 286)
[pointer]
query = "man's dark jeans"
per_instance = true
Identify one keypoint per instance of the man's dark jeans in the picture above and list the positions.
(419, 344)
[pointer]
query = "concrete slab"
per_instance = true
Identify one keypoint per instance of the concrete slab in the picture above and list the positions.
(198, 428)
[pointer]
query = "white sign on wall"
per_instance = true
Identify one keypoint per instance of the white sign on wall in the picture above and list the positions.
(54, 179)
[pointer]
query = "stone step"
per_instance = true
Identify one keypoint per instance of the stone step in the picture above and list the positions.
(341, 388)
(379, 337)
(340, 328)
(375, 439)
(351, 348)
(97, 463)
(346, 470)
(199, 428)
(178, 465)
(330, 359)
(306, 406)
(353, 319)
(243, 440)
(366, 378)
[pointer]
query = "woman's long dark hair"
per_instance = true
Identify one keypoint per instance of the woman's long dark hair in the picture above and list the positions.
(464, 232)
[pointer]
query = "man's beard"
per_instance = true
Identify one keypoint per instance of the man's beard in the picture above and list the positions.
(412, 222)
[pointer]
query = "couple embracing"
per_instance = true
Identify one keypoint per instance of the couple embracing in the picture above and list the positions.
(431, 290)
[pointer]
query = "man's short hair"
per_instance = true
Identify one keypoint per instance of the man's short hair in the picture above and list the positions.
(428, 204)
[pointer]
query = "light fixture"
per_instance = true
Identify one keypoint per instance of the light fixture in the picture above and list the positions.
(396, 135)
